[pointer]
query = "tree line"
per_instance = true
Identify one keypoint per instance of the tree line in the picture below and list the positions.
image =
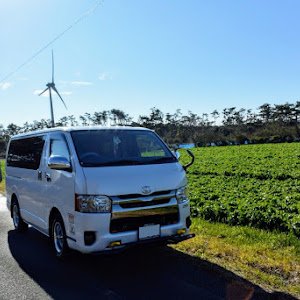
(269, 123)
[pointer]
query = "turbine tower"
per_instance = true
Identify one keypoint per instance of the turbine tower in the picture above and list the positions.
(51, 85)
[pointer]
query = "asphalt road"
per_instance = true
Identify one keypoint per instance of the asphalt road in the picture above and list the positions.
(30, 270)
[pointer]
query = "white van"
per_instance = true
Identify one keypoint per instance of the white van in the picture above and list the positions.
(96, 189)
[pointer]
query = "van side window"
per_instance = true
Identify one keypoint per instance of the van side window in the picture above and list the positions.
(58, 146)
(26, 152)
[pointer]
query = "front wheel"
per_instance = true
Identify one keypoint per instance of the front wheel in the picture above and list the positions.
(59, 237)
(19, 224)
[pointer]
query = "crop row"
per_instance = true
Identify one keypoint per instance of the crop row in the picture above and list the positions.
(255, 185)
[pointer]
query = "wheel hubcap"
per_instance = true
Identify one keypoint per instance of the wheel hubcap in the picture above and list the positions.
(58, 237)
(16, 217)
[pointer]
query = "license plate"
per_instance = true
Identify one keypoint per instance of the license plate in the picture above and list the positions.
(148, 232)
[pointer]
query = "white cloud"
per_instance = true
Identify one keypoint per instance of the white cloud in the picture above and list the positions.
(82, 83)
(105, 75)
(5, 85)
(46, 94)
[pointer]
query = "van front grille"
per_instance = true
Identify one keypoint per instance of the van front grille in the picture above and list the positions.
(143, 204)
(128, 224)
(128, 196)
(130, 213)
(136, 200)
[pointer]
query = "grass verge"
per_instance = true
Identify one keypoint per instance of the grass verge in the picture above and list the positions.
(270, 260)
(2, 183)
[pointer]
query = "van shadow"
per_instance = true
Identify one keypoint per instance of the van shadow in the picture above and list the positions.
(142, 272)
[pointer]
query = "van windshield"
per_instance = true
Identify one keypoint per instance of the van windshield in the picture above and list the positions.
(96, 148)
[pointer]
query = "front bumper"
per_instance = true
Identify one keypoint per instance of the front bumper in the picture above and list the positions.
(175, 239)
(122, 225)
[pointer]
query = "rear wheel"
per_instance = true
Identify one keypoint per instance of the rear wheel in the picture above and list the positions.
(19, 224)
(59, 237)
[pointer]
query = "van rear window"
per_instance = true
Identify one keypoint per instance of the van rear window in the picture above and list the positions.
(25, 153)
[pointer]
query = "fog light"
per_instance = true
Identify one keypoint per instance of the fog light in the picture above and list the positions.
(181, 231)
(114, 244)
(89, 238)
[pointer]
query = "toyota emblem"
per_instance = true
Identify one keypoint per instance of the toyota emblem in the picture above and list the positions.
(146, 190)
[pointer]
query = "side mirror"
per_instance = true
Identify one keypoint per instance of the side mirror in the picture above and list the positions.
(190, 163)
(176, 154)
(57, 162)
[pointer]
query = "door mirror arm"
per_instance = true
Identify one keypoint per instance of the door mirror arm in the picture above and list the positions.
(190, 163)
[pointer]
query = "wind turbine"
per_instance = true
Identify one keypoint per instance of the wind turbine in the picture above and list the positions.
(51, 85)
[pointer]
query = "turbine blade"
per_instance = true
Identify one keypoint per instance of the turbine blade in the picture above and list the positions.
(43, 91)
(52, 68)
(56, 91)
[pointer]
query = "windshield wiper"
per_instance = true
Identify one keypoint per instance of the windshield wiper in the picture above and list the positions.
(87, 164)
(121, 162)
(162, 160)
(129, 162)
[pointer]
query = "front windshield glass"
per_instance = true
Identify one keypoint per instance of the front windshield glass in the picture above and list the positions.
(96, 148)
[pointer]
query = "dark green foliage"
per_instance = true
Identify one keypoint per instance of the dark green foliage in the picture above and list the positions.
(270, 124)
(256, 185)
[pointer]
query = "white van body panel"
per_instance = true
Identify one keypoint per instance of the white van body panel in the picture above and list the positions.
(56, 189)
(124, 180)
(24, 184)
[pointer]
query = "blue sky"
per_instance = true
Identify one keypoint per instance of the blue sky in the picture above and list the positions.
(136, 54)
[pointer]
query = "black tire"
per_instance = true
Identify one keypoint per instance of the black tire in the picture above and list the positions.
(19, 224)
(59, 237)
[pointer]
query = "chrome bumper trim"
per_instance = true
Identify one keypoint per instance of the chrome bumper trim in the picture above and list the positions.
(163, 209)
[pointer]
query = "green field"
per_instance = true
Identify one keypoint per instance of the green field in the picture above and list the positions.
(255, 185)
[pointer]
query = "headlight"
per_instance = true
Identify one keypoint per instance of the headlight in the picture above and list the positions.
(92, 204)
(182, 194)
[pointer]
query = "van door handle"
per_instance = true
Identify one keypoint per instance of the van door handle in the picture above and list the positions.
(39, 175)
(48, 176)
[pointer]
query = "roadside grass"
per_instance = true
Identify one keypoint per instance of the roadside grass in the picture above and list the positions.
(268, 259)
(2, 183)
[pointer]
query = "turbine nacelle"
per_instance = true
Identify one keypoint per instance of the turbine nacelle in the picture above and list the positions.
(51, 85)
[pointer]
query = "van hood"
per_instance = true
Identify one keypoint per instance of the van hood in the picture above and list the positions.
(122, 180)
